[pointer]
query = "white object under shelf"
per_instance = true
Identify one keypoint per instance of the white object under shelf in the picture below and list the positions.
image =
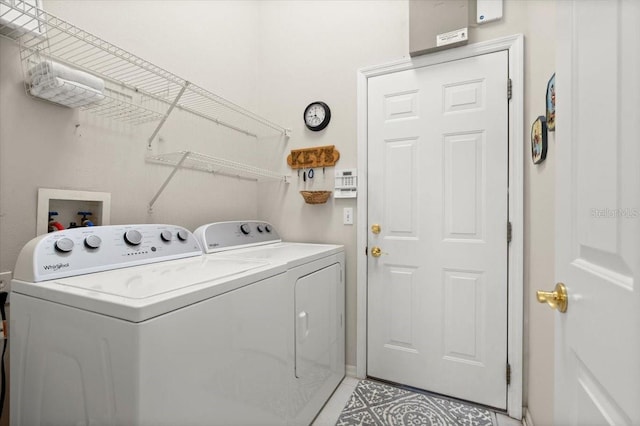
(123, 72)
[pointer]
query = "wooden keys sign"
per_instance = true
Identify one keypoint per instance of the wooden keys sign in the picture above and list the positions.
(319, 156)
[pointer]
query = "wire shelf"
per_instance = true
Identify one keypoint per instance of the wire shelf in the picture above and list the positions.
(44, 36)
(209, 164)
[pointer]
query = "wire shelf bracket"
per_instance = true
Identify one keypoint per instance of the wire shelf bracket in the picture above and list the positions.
(171, 107)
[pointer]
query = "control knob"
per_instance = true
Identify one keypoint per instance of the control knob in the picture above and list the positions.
(64, 245)
(133, 237)
(165, 236)
(183, 235)
(267, 228)
(260, 228)
(245, 229)
(92, 242)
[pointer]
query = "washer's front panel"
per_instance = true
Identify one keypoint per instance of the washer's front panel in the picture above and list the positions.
(222, 361)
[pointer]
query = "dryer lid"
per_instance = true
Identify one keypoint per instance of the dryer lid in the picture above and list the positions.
(293, 254)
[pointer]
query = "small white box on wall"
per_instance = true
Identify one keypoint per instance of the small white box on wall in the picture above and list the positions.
(488, 10)
(346, 185)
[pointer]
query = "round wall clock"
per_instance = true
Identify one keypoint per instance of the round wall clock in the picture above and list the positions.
(317, 116)
(539, 140)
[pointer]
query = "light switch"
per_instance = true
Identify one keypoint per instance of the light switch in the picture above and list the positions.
(347, 216)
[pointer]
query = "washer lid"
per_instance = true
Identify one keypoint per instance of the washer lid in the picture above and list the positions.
(156, 279)
(142, 292)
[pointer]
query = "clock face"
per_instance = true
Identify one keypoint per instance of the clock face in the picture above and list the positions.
(317, 116)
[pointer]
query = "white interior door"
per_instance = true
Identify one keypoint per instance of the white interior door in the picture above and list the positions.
(437, 173)
(597, 343)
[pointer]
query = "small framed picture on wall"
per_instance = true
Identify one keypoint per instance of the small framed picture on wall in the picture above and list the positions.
(539, 140)
(551, 103)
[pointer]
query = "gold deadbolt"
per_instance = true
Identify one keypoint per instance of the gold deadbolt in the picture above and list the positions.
(556, 299)
(376, 251)
(375, 228)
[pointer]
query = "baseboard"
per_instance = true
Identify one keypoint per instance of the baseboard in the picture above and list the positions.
(351, 370)
(526, 419)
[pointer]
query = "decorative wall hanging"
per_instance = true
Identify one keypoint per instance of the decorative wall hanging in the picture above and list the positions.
(539, 140)
(551, 103)
(319, 156)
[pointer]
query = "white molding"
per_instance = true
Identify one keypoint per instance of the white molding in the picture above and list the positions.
(350, 370)
(361, 231)
(527, 420)
(516, 217)
(515, 46)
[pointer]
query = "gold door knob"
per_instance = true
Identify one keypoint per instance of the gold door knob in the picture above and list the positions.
(556, 299)
(375, 228)
(376, 252)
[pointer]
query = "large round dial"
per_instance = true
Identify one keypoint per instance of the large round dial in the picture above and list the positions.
(245, 229)
(182, 235)
(317, 116)
(64, 245)
(133, 237)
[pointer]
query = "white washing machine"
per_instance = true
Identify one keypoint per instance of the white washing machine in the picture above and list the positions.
(316, 284)
(132, 325)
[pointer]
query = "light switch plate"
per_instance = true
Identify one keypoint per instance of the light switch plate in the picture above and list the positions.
(347, 216)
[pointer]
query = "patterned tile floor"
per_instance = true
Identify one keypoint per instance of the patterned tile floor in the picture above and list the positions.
(333, 408)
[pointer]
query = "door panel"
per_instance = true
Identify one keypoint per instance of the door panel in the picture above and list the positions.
(400, 179)
(438, 169)
(463, 324)
(400, 327)
(463, 156)
(598, 213)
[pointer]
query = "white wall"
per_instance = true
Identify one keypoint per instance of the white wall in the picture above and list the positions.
(274, 57)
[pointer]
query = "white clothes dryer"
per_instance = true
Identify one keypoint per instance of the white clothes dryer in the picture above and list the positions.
(132, 325)
(316, 285)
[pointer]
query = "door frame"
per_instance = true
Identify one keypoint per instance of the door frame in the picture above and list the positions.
(515, 46)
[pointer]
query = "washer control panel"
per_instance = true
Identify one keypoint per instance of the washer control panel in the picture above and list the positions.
(220, 236)
(85, 250)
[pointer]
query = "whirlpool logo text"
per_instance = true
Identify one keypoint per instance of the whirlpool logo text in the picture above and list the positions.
(55, 267)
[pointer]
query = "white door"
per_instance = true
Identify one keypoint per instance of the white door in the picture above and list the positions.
(437, 173)
(597, 341)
